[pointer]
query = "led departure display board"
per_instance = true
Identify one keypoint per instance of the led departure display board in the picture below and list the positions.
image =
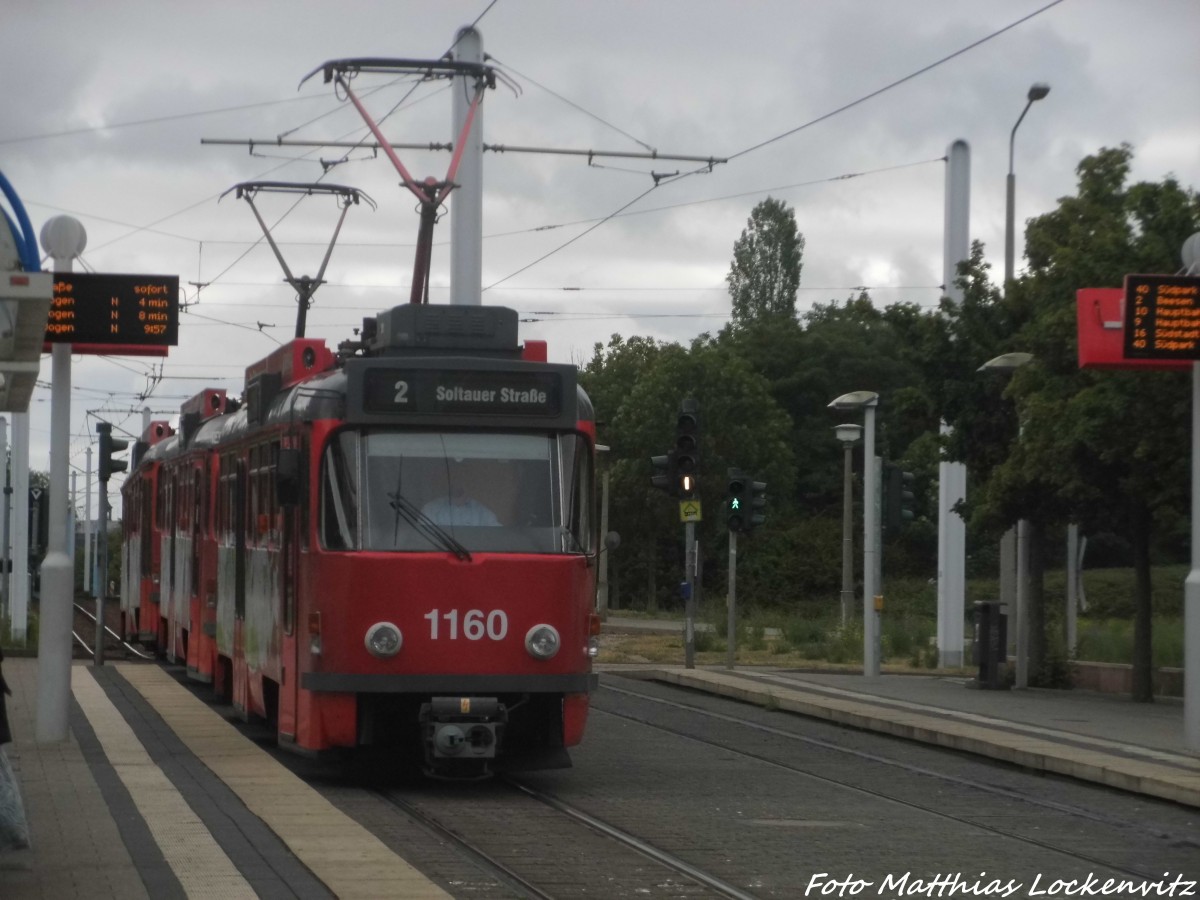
(1162, 317)
(114, 310)
(458, 392)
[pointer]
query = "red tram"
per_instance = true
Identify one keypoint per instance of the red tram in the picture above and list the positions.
(394, 545)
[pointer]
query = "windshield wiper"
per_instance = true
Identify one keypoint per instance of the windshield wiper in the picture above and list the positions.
(424, 526)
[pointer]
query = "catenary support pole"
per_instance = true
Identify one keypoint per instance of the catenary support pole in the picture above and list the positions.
(466, 203)
(952, 476)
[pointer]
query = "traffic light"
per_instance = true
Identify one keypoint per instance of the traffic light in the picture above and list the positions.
(758, 504)
(747, 500)
(108, 446)
(665, 477)
(738, 503)
(687, 448)
(898, 498)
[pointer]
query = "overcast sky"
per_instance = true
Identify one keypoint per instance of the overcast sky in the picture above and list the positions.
(107, 104)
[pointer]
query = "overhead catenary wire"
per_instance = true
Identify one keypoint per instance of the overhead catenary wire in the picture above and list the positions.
(625, 210)
(758, 146)
(899, 81)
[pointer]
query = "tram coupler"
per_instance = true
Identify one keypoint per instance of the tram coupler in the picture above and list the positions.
(462, 728)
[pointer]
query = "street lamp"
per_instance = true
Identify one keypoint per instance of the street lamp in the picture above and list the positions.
(1036, 92)
(867, 401)
(1006, 364)
(849, 436)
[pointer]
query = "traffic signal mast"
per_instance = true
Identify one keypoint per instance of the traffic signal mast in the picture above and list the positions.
(677, 473)
(108, 446)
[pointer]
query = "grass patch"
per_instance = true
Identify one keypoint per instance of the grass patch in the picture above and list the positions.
(768, 638)
(1111, 640)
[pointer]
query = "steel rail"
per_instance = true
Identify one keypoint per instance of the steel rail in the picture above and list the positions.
(132, 649)
(1063, 808)
(479, 857)
(724, 888)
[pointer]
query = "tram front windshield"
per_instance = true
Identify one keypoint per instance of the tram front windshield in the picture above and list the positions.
(388, 490)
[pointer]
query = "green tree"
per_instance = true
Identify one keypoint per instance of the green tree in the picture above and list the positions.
(740, 425)
(1092, 449)
(1117, 455)
(767, 259)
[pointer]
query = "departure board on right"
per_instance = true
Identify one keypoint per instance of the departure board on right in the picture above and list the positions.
(1162, 317)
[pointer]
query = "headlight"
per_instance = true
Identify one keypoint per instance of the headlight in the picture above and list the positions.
(542, 641)
(384, 640)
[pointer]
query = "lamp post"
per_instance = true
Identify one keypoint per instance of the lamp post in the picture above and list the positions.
(1036, 92)
(1006, 364)
(1009, 561)
(849, 436)
(867, 401)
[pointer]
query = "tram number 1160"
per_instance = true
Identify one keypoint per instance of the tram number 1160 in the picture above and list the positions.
(475, 625)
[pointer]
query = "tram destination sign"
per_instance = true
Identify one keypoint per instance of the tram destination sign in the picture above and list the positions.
(470, 392)
(114, 310)
(1162, 317)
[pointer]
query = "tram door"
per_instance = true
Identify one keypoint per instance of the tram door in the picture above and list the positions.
(289, 575)
(240, 698)
(291, 505)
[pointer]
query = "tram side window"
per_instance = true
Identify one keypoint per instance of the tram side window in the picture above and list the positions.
(261, 521)
(580, 491)
(339, 493)
(225, 493)
(198, 502)
(146, 499)
(252, 518)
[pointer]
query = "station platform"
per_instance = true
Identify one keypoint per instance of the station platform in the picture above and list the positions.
(1098, 737)
(155, 795)
(208, 813)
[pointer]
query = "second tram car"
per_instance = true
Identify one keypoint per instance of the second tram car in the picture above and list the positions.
(391, 545)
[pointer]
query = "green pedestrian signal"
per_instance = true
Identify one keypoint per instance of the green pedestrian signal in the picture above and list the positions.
(747, 500)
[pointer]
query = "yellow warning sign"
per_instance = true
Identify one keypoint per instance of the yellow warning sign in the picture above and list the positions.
(689, 511)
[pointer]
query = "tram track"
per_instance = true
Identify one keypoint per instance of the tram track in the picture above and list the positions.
(471, 850)
(687, 878)
(1042, 804)
(720, 887)
(84, 631)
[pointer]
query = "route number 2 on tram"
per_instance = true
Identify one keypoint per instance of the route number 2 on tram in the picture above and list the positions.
(475, 625)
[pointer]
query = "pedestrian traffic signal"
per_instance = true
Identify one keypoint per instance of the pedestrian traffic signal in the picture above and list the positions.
(108, 446)
(737, 502)
(899, 498)
(746, 502)
(687, 448)
(664, 476)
